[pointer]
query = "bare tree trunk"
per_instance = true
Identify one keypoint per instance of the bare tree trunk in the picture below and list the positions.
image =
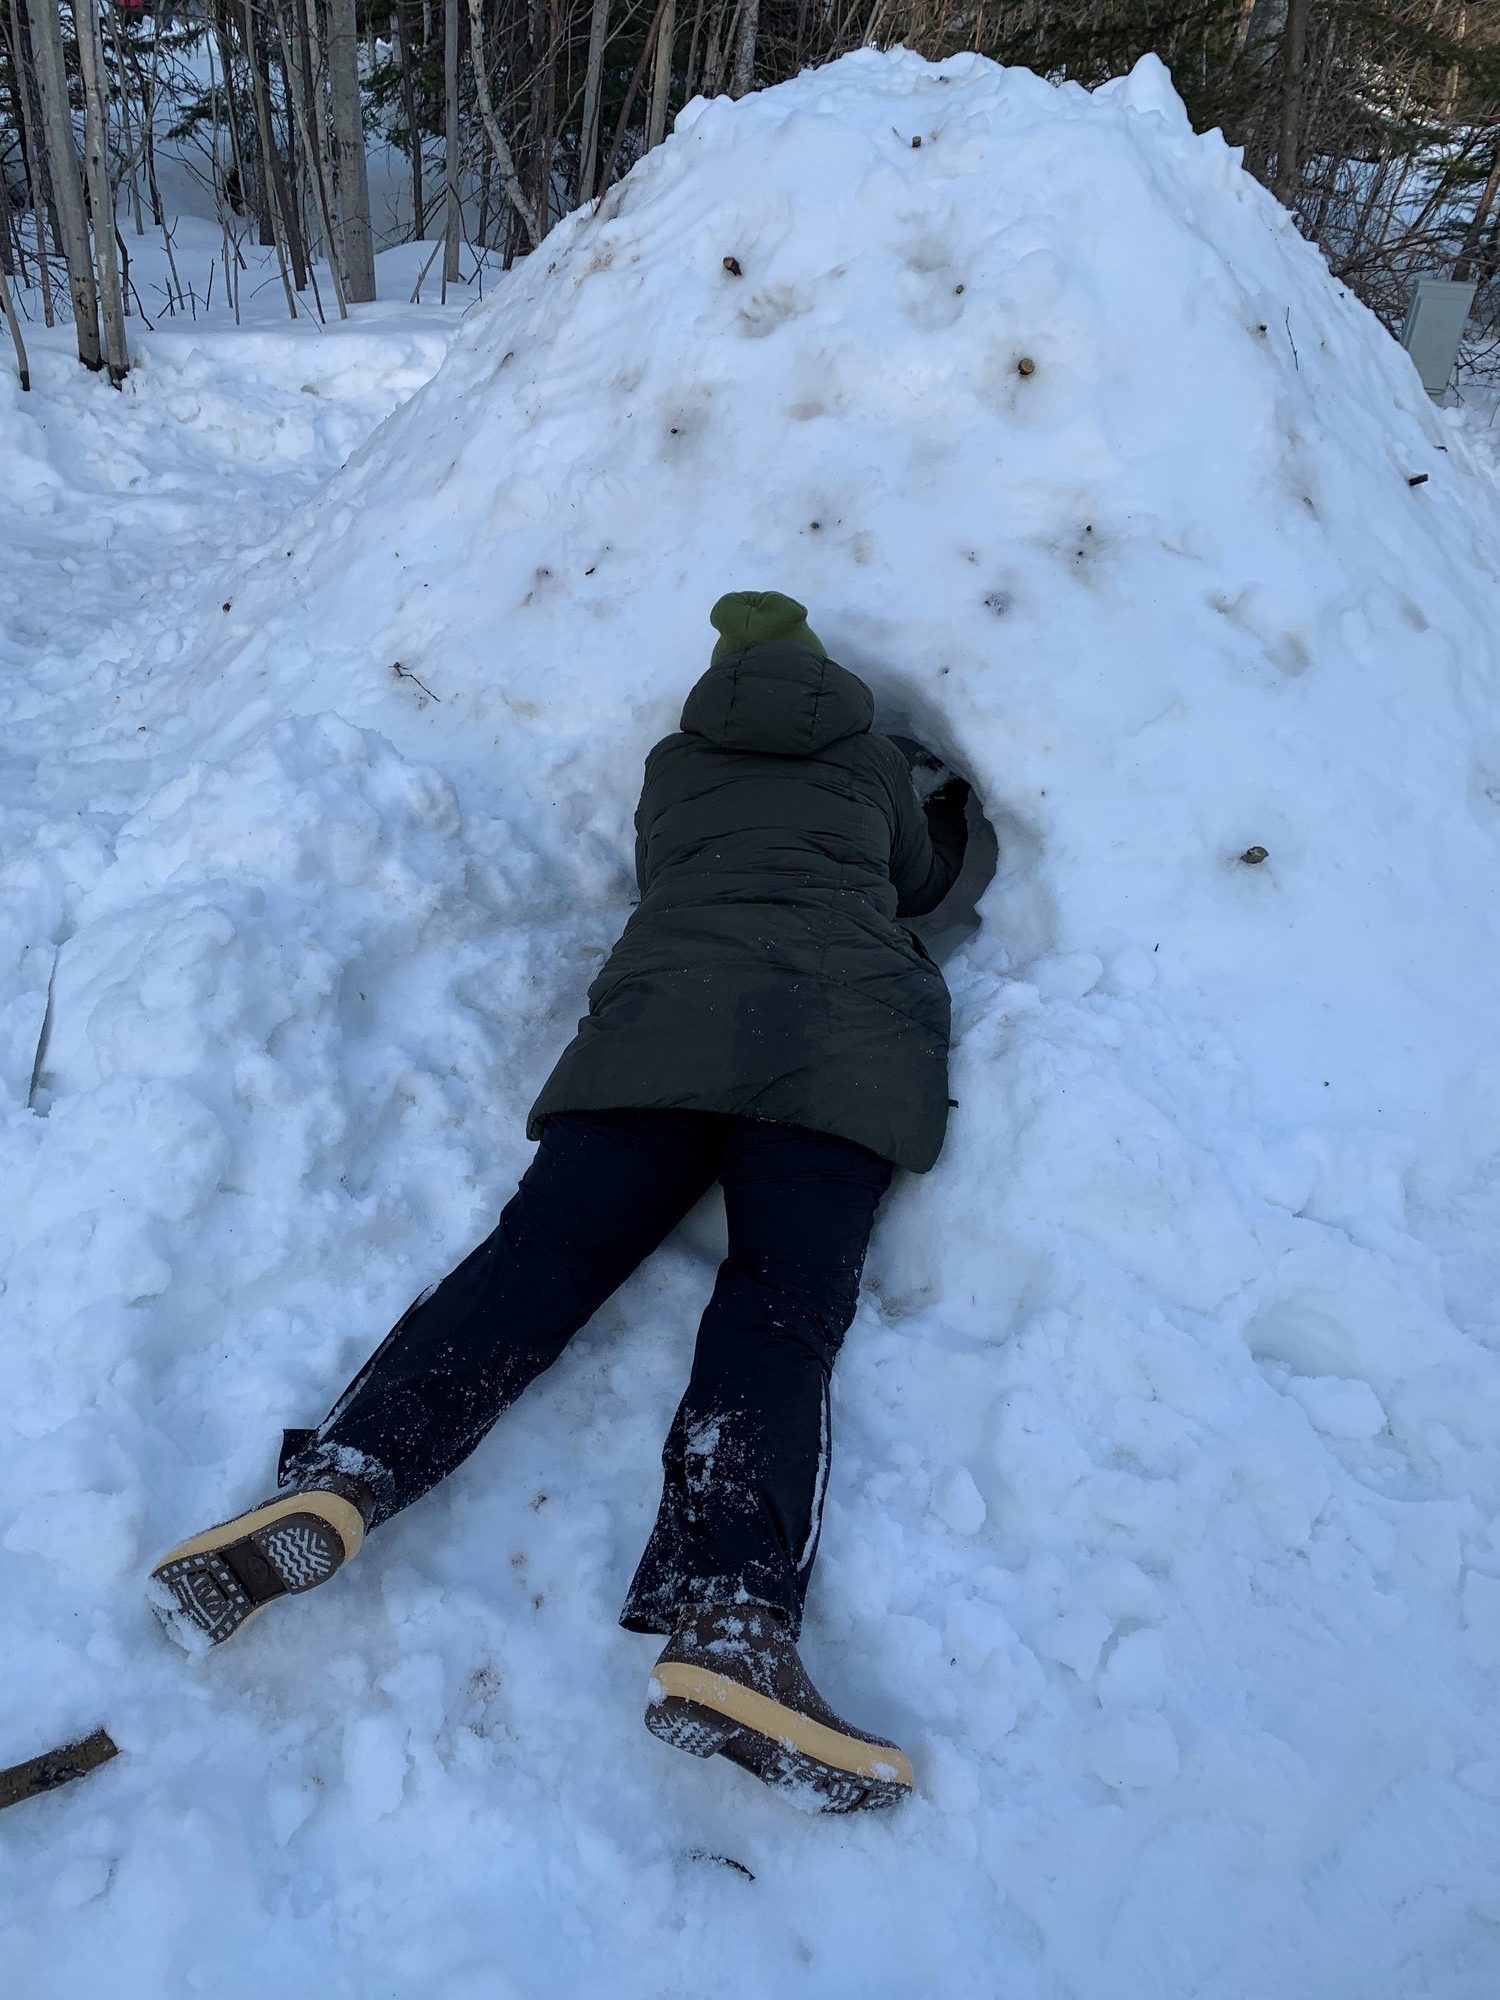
(294, 159)
(695, 36)
(1474, 234)
(315, 116)
(130, 152)
(267, 158)
(287, 207)
(101, 194)
(1289, 140)
(589, 139)
(486, 195)
(648, 48)
(301, 155)
(146, 78)
(248, 194)
(413, 126)
(304, 110)
(510, 180)
(36, 153)
(548, 144)
(14, 324)
(713, 61)
(661, 78)
(57, 129)
(351, 179)
(453, 221)
(742, 77)
(315, 65)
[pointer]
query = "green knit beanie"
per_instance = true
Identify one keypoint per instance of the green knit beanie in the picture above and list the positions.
(751, 617)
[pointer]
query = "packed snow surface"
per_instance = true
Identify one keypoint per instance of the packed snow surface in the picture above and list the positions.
(1164, 1526)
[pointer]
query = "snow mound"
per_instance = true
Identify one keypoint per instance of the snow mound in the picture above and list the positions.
(1164, 1522)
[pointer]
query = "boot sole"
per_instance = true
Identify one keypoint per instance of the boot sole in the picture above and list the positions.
(293, 1544)
(706, 1714)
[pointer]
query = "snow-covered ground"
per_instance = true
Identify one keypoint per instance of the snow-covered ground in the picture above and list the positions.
(1165, 1521)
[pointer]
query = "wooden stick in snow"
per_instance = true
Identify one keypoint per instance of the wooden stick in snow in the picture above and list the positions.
(55, 1767)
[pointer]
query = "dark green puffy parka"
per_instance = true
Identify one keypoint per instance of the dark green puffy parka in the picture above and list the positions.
(764, 971)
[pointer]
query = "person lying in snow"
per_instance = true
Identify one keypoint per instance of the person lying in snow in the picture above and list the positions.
(765, 1022)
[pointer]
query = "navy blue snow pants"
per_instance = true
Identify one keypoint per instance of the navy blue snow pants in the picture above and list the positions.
(746, 1459)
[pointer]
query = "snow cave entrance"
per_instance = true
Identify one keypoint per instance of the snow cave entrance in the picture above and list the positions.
(901, 713)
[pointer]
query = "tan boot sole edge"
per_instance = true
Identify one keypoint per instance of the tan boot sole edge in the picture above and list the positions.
(782, 1724)
(341, 1515)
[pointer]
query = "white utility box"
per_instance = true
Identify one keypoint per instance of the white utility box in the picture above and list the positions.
(1435, 322)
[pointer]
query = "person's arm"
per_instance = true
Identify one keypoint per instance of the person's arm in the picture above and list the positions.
(645, 813)
(640, 848)
(928, 850)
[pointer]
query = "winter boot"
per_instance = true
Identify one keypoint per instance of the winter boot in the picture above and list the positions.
(730, 1681)
(213, 1583)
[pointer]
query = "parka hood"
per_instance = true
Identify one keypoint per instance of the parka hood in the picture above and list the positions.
(778, 699)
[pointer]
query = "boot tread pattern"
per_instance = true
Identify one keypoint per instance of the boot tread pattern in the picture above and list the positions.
(301, 1550)
(209, 1592)
(223, 1577)
(702, 1733)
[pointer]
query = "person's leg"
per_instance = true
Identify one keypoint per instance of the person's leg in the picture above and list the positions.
(603, 1191)
(746, 1460)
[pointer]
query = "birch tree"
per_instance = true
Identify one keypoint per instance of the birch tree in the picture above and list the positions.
(510, 180)
(45, 23)
(38, 175)
(661, 77)
(742, 76)
(101, 193)
(588, 154)
(351, 178)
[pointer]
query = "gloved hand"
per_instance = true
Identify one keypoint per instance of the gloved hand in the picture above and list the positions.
(952, 796)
